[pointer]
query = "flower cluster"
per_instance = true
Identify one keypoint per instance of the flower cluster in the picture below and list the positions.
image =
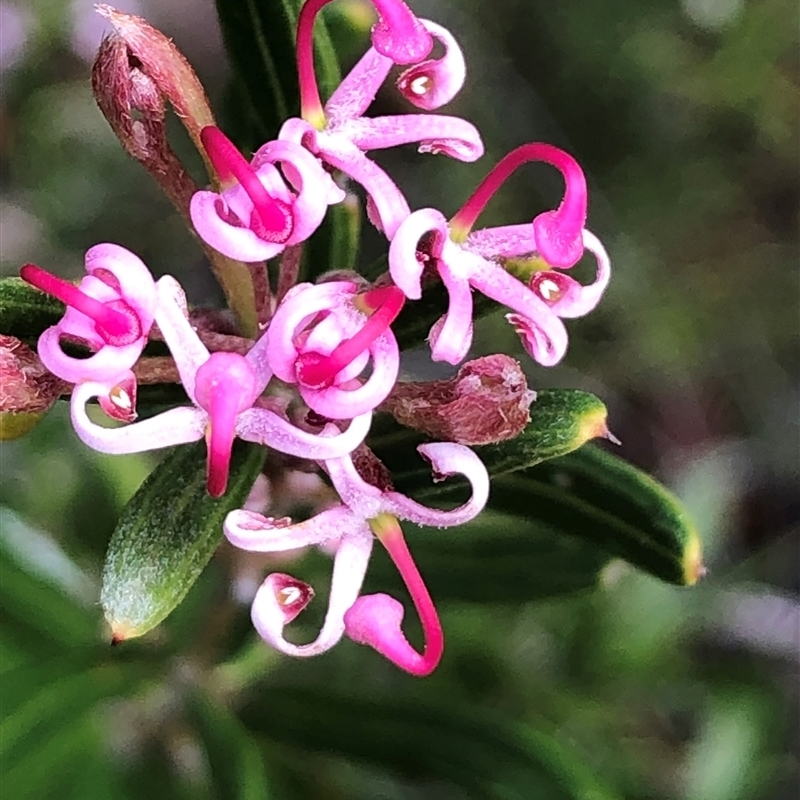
(329, 346)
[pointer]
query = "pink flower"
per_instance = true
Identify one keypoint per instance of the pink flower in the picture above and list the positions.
(323, 336)
(111, 310)
(465, 260)
(366, 511)
(339, 134)
(263, 210)
(224, 389)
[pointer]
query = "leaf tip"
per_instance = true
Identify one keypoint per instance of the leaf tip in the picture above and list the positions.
(121, 632)
(693, 567)
(594, 425)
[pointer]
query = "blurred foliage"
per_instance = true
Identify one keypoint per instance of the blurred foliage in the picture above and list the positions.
(685, 116)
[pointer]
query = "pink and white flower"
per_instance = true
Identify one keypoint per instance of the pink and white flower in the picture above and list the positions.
(324, 336)
(263, 210)
(339, 134)
(365, 512)
(466, 260)
(111, 310)
(224, 389)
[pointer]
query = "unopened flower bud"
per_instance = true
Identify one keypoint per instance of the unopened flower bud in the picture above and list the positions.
(166, 67)
(27, 389)
(135, 109)
(486, 402)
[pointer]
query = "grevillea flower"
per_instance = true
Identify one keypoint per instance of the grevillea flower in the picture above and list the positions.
(339, 134)
(111, 310)
(365, 512)
(323, 336)
(482, 260)
(262, 210)
(223, 388)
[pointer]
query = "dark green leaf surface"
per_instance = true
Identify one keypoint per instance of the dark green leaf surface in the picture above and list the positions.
(603, 500)
(235, 761)
(260, 38)
(25, 312)
(166, 535)
(485, 756)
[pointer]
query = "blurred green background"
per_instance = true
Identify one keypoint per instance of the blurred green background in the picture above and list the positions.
(685, 118)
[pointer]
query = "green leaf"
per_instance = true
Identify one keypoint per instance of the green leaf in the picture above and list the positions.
(496, 558)
(25, 312)
(38, 617)
(260, 39)
(607, 502)
(166, 535)
(237, 768)
(487, 756)
(562, 420)
(50, 701)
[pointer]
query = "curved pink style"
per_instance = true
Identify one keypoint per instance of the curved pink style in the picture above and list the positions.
(467, 261)
(397, 35)
(263, 212)
(557, 233)
(323, 336)
(112, 310)
(376, 620)
(340, 134)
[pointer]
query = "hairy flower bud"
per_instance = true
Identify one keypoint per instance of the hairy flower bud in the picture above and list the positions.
(486, 402)
(27, 389)
(166, 67)
(134, 107)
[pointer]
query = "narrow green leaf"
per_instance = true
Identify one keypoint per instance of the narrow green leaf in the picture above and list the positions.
(237, 768)
(496, 558)
(53, 701)
(166, 535)
(25, 312)
(561, 421)
(55, 762)
(487, 756)
(38, 617)
(603, 500)
(260, 39)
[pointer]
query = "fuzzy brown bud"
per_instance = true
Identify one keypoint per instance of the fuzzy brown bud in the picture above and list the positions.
(487, 401)
(27, 389)
(135, 109)
(166, 67)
